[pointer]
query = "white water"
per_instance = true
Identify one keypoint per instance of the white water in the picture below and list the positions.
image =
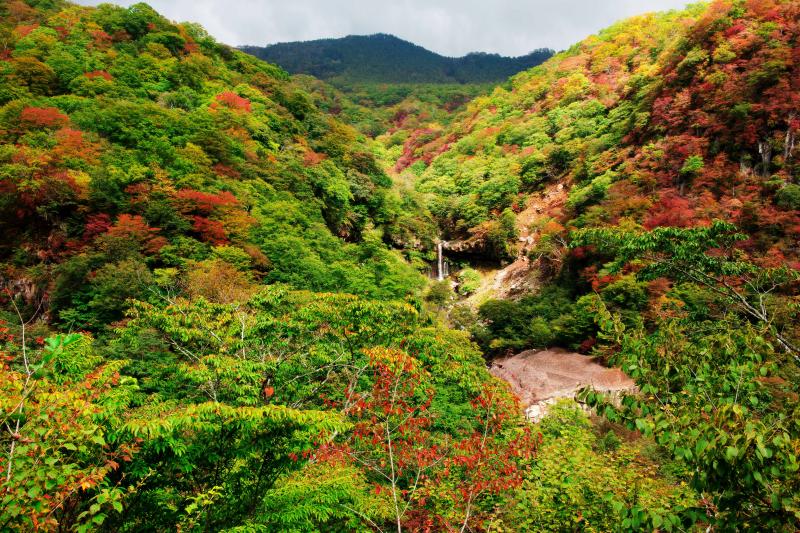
(442, 268)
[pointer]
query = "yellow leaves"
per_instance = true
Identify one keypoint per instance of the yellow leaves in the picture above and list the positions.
(196, 156)
(552, 227)
(81, 180)
(218, 282)
(393, 358)
(237, 223)
(666, 307)
(165, 277)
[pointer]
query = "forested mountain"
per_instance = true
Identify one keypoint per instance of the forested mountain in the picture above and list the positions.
(393, 79)
(182, 149)
(215, 314)
(381, 58)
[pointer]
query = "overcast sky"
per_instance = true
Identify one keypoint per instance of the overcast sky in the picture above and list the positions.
(449, 27)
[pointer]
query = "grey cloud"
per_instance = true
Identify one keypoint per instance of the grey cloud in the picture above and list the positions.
(450, 27)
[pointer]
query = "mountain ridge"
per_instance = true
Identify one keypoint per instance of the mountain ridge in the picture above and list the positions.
(386, 58)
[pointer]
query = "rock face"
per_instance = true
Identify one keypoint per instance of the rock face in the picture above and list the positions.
(540, 378)
(523, 275)
(28, 290)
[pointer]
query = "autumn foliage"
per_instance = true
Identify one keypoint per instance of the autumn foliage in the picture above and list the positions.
(99, 74)
(42, 117)
(129, 138)
(669, 119)
(130, 228)
(433, 485)
(232, 101)
(189, 200)
(252, 270)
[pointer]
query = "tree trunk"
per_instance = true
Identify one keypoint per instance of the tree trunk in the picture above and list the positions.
(788, 143)
(765, 150)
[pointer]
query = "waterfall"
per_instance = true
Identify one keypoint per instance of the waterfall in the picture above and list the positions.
(440, 259)
(442, 267)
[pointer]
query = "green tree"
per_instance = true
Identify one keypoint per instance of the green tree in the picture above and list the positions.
(706, 256)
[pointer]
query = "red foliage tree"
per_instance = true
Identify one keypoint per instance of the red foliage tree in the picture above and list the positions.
(37, 184)
(42, 117)
(435, 482)
(391, 438)
(190, 200)
(25, 29)
(74, 144)
(99, 74)
(135, 228)
(96, 225)
(101, 39)
(210, 231)
(312, 158)
(487, 462)
(232, 101)
(131, 225)
(191, 47)
(671, 210)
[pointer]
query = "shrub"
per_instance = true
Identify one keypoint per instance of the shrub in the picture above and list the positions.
(789, 197)
(593, 192)
(584, 483)
(218, 282)
(469, 280)
(232, 101)
(539, 333)
(440, 293)
(111, 288)
(234, 256)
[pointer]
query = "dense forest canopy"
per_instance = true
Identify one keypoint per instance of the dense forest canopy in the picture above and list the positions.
(215, 314)
(160, 150)
(386, 79)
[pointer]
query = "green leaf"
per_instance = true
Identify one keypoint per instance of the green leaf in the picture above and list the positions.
(731, 452)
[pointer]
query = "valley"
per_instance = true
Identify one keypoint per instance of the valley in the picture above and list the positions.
(361, 286)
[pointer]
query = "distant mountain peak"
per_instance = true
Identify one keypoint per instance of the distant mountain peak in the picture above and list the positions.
(386, 58)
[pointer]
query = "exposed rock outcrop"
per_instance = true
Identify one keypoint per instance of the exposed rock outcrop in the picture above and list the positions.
(27, 290)
(540, 378)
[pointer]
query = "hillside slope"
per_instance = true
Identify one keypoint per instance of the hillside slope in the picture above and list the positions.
(671, 119)
(382, 58)
(211, 317)
(134, 145)
(652, 174)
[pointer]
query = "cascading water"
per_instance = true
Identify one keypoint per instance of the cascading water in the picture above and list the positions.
(442, 267)
(439, 262)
